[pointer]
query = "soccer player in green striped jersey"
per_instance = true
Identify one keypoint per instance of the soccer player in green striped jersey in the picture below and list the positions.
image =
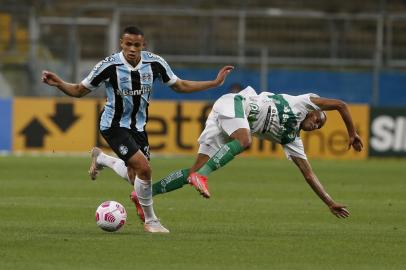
(235, 117)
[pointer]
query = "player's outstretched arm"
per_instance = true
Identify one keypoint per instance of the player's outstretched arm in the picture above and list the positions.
(335, 104)
(184, 86)
(70, 89)
(338, 210)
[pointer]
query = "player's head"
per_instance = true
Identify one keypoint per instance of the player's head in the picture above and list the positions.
(132, 43)
(314, 120)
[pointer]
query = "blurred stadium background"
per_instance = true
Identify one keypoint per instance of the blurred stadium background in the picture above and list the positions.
(262, 215)
(352, 50)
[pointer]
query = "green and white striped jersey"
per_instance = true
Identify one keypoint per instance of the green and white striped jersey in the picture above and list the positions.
(276, 117)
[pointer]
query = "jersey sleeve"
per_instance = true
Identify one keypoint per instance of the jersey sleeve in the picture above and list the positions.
(247, 92)
(100, 73)
(165, 72)
(295, 149)
(306, 104)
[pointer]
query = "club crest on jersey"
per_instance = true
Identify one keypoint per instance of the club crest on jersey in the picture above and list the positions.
(123, 149)
(146, 77)
(292, 135)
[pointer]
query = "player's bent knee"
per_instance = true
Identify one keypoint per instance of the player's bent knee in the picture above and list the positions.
(142, 169)
(144, 172)
(245, 142)
(243, 136)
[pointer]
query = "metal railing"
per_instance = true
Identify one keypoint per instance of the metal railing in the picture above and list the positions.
(254, 38)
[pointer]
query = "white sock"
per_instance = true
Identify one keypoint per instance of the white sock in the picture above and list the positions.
(114, 163)
(143, 188)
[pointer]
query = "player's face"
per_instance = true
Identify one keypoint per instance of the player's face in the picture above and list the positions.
(132, 46)
(314, 120)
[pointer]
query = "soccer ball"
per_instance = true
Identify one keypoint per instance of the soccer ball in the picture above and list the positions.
(111, 216)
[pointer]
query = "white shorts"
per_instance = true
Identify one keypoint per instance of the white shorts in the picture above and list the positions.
(217, 132)
(295, 149)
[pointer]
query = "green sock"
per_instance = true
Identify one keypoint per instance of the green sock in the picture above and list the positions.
(224, 155)
(174, 180)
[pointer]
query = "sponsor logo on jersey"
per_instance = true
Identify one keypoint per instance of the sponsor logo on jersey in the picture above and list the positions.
(128, 92)
(124, 79)
(253, 113)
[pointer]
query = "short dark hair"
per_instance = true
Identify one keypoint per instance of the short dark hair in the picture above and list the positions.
(134, 30)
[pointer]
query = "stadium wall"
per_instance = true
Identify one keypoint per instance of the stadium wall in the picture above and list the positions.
(353, 87)
(71, 125)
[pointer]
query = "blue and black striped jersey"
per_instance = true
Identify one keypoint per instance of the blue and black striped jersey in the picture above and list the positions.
(128, 88)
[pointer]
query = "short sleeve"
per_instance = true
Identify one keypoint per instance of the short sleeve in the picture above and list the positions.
(295, 149)
(100, 72)
(307, 103)
(165, 72)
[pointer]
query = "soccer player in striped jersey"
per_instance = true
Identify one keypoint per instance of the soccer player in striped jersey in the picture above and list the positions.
(278, 118)
(128, 77)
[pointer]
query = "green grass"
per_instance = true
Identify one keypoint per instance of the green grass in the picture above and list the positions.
(262, 215)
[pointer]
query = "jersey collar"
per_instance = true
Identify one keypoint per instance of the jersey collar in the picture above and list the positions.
(129, 66)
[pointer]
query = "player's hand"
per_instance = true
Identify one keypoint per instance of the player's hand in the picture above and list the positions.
(356, 143)
(221, 76)
(50, 78)
(339, 210)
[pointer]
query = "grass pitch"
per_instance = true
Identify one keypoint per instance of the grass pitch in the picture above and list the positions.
(262, 215)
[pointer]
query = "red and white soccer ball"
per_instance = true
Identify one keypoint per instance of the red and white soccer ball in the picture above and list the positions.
(111, 216)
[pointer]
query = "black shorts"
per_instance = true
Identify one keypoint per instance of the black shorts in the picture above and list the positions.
(126, 142)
